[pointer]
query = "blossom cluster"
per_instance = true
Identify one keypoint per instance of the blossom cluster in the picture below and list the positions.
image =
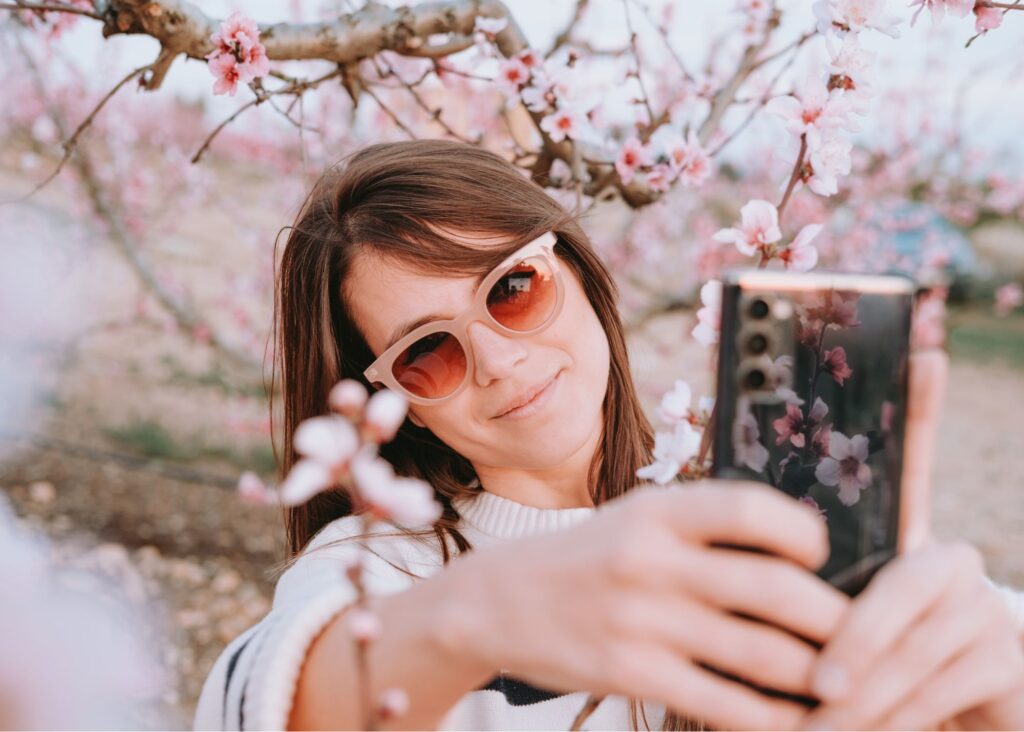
(339, 450)
(238, 56)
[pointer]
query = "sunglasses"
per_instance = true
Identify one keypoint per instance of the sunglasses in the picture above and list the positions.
(520, 297)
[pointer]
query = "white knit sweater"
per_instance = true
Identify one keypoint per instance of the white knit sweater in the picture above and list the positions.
(252, 683)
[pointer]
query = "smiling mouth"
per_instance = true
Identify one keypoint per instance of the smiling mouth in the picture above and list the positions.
(542, 393)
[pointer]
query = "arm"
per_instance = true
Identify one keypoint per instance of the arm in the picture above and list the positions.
(421, 651)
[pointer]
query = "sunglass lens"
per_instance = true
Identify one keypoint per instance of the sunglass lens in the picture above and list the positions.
(524, 298)
(432, 367)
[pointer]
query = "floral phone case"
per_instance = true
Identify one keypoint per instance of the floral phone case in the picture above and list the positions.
(812, 392)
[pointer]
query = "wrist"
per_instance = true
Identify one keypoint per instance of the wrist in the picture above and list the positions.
(467, 626)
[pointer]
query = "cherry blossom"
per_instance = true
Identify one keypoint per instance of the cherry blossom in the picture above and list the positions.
(675, 404)
(851, 66)
(938, 9)
(394, 702)
(828, 160)
(406, 501)
(801, 255)
(808, 501)
(1008, 297)
(747, 448)
(253, 490)
(385, 412)
(813, 110)
(632, 155)
(348, 397)
(845, 466)
(563, 124)
(672, 450)
(689, 160)
(513, 74)
(834, 364)
(238, 56)
(709, 316)
(793, 427)
(855, 15)
(759, 228)
(987, 18)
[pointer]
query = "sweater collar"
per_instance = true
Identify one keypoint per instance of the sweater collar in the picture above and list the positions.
(502, 517)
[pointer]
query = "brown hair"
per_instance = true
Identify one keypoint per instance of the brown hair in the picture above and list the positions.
(394, 199)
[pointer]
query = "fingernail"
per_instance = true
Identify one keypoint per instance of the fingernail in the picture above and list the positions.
(830, 682)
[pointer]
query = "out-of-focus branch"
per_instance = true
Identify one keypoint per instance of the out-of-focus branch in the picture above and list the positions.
(566, 35)
(122, 240)
(51, 8)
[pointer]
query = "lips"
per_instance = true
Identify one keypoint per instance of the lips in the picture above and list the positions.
(526, 396)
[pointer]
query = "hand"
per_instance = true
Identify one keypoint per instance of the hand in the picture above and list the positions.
(929, 642)
(631, 600)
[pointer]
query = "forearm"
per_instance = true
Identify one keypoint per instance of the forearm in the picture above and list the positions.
(422, 650)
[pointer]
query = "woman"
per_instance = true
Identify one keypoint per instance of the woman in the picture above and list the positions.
(628, 598)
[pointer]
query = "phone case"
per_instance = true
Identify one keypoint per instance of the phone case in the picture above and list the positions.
(812, 394)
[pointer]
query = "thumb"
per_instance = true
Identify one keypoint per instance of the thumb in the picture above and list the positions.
(929, 371)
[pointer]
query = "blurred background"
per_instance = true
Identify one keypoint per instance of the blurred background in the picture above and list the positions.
(136, 285)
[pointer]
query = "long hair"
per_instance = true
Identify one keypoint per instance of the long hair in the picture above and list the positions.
(393, 199)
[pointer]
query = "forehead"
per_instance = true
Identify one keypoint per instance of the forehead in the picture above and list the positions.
(383, 295)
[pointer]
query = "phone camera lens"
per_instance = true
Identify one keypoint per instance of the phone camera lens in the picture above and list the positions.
(759, 309)
(757, 344)
(755, 379)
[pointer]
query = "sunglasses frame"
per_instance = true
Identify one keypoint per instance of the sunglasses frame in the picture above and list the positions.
(380, 370)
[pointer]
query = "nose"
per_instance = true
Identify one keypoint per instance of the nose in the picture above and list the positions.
(494, 355)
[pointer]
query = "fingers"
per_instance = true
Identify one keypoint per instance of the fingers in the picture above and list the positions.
(902, 592)
(749, 514)
(929, 371)
(985, 673)
(751, 650)
(930, 645)
(764, 587)
(707, 697)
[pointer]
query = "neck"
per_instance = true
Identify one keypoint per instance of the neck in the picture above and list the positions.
(564, 485)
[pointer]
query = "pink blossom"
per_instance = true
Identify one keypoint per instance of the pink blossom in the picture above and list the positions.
(987, 18)
(851, 65)
(512, 75)
(939, 8)
(690, 161)
(813, 110)
(672, 451)
(238, 55)
(1008, 297)
(660, 177)
(632, 155)
(747, 448)
(406, 501)
(801, 255)
(348, 397)
(846, 466)
(306, 479)
(829, 159)
(225, 73)
(810, 502)
(529, 58)
(820, 440)
(710, 315)
(385, 412)
(793, 426)
(394, 702)
(759, 228)
(834, 364)
(363, 624)
(252, 490)
(330, 441)
(855, 16)
(562, 124)
(675, 404)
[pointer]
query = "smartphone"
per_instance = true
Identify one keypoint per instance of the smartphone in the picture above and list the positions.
(812, 398)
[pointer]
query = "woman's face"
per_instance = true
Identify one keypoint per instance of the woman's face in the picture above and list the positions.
(575, 344)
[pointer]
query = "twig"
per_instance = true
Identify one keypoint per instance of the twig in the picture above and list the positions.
(51, 8)
(639, 72)
(258, 99)
(390, 113)
(69, 144)
(795, 176)
(566, 35)
(663, 32)
(435, 114)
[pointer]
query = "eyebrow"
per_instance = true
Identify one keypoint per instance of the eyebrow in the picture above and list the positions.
(407, 328)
